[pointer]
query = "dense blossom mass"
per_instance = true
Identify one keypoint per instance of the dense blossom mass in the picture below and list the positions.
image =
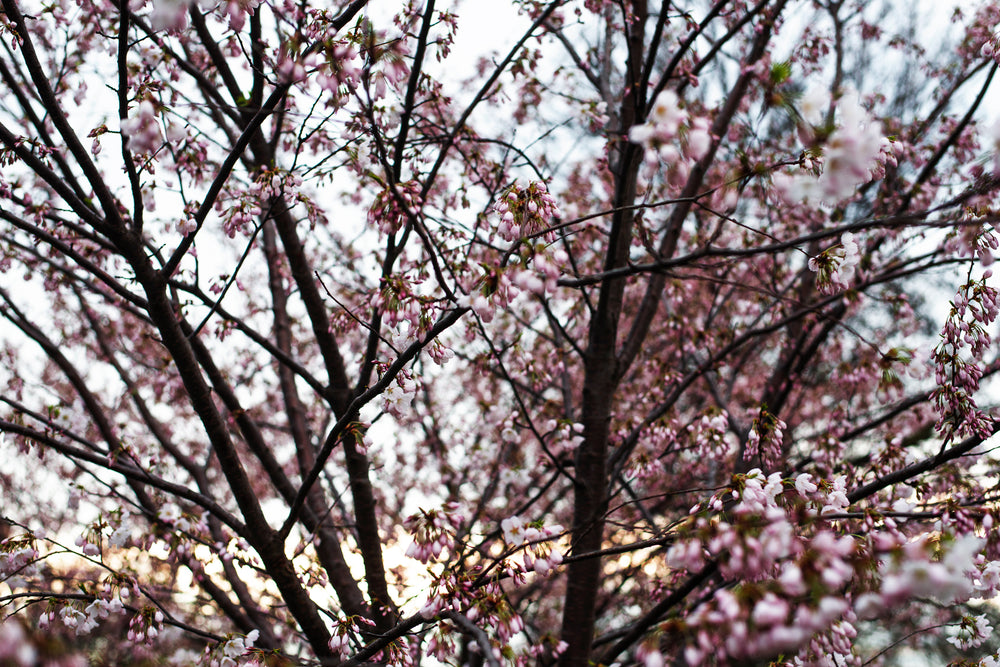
(550, 333)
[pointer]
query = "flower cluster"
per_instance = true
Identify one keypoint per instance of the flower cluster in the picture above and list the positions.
(393, 206)
(666, 123)
(538, 554)
(834, 267)
(494, 292)
(544, 271)
(709, 435)
(765, 438)
(142, 129)
(227, 653)
(762, 626)
(851, 153)
(344, 631)
(790, 597)
(991, 47)
(526, 210)
(342, 73)
(974, 308)
(18, 556)
(922, 569)
(399, 393)
(486, 607)
(433, 531)
(970, 632)
(145, 626)
(292, 69)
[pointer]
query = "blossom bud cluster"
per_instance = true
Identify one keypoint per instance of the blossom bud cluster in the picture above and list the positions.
(399, 301)
(541, 277)
(667, 123)
(18, 557)
(449, 592)
(538, 555)
(344, 631)
(834, 267)
(537, 273)
(393, 207)
(646, 462)
(485, 606)
(494, 293)
(974, 308)
(145, 626)
(709, 436)
(393, 72)
(433, 531)
(237, 217)
(526, 210)
(765, 438)
(243, 214)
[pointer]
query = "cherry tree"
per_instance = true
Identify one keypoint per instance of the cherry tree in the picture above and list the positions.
(648, 333)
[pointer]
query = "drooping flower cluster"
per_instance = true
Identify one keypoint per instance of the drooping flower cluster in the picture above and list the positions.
(486, 608)
(974, 308)
(834, 267)
(18, 557)
(393, 207)
(538, 554)
(341, 73)
(346, 630)
(145, 626)
(789, 595)
(526, 210)
(433, 531)
(765, 438)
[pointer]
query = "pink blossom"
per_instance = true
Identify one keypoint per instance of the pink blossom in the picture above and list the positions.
(142, 129)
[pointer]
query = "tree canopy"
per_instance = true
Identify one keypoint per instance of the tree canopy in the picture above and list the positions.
(594, 332)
